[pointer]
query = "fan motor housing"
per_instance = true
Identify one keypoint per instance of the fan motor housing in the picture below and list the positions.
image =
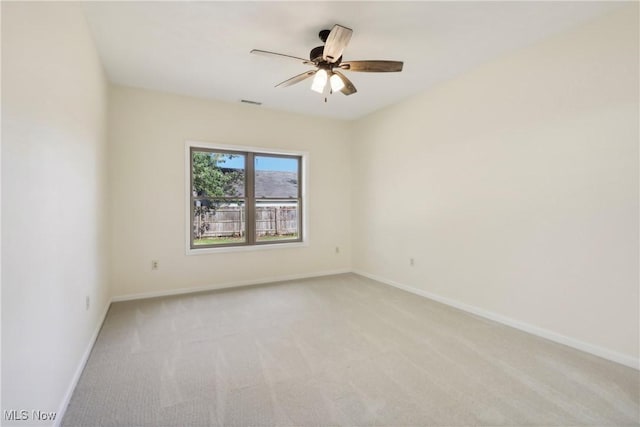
(316, 56)
(316, 53)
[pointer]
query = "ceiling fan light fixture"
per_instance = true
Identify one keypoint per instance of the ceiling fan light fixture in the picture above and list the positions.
(328, 64)
(336, 83)
(319, 81)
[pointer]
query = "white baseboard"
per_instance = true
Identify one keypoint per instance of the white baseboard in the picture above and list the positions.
(76, 376)
(227, 285)
(605, 353)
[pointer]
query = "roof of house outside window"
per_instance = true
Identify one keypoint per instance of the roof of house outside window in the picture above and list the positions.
(276, 184)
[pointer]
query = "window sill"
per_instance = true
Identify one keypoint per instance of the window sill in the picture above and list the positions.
(226, 249)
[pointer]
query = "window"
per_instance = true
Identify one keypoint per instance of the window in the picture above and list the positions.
(241, 197)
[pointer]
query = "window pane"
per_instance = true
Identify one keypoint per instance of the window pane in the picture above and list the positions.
(277, 220)
(218, 222)
(217, 174)
(276, 177)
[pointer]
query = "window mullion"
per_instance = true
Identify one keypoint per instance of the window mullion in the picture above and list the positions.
(191, 198)
(300, 210)
(250, 204)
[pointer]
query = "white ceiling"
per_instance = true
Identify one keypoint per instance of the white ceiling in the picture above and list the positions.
(202, 48)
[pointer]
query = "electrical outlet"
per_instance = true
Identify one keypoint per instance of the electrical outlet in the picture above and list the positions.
(411, 262)
(87, 302)
(337, 249)
(155, 265)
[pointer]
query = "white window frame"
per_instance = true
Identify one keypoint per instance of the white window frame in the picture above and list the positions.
(261, 150)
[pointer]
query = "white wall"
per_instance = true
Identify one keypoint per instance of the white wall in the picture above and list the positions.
(515, 187)
(54, 247)
(147, 133)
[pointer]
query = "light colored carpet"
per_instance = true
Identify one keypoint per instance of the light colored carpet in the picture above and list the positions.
(339, 350)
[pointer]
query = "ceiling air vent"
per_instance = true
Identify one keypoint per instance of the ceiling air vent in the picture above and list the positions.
(246, 101)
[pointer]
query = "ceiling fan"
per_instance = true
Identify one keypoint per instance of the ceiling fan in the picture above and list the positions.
(328, 63)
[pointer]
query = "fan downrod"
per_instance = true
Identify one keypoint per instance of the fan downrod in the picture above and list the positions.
(316, 53)
(323, 34)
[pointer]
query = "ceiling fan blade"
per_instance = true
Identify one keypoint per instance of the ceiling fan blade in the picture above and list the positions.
(372, 66)
(336, 42)
(349, 88)
(297, 79)
(281, 55)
